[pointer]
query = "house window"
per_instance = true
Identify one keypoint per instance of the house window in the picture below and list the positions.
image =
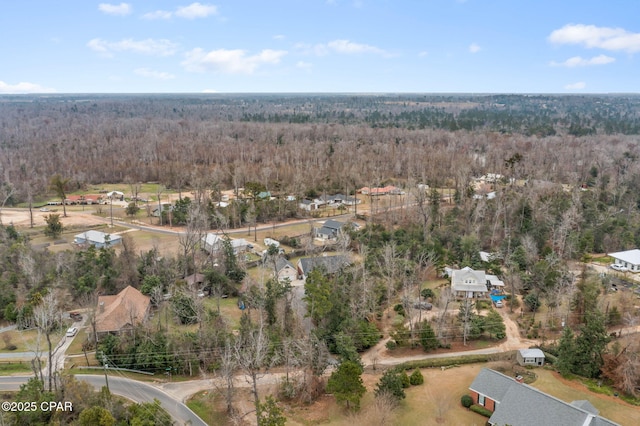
(481, 399)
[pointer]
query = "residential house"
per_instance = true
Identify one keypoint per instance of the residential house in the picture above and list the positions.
(240, 245)
(329, 264)
(211, 242)
(386, 190)
(308, 205)
(97, 239)
(195, 281)
(515, 403)
(467, 283)
(629, 259)
(285, 270)
(530, 357)
(115, 195)
(271, 242)
(329, 230)
(121, 312)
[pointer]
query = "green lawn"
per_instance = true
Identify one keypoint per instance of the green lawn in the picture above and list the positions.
(8, 368)
(610, 407)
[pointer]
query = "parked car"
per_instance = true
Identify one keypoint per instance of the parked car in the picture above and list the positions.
(72, 331)
(75, 316)
(497, 303)
(44, 209)
(618, 267)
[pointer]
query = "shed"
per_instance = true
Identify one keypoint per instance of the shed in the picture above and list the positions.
(97, 239)
(530, 357)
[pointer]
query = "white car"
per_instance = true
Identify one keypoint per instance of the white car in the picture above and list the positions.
(72, 331)
(618, 267)
(498, 303)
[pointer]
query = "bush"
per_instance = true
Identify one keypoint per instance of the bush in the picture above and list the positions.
(391, 345)
(406, 382)
(466, 401)
(416, 378)
(399, 309)
(481, 410)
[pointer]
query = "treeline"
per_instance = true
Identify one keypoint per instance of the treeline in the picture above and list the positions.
(294, 144)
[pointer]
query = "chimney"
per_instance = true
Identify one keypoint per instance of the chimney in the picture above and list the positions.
(101, 304)
(519, 379)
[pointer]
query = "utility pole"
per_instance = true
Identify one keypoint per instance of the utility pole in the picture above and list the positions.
(106, 377)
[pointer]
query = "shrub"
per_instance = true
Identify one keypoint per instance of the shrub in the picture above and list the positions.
(399, 309)
(406, 382)
(391, 345)
(481, 410)
(466, 401)
(416, 378)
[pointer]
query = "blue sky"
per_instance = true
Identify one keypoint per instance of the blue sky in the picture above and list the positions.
(163, 46)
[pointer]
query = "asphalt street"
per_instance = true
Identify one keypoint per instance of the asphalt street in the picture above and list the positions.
(131, 389)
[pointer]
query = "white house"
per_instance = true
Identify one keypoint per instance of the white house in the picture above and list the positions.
(530, 357)
(211, 242)
(629, 259)
(467, 283)
(308, 205)
(97, 239)
(271, 242)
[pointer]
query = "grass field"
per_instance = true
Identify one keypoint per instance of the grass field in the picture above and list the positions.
(8, 368)
(610, 407)
(27, 340)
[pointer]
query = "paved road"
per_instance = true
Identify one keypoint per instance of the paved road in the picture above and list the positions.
(130, 389)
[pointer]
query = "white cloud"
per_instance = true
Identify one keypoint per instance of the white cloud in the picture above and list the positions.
(349, 47)
(576, 86)
(193, 11)
(230, 61)
(474, 48)
(23, 87)
(423, 53)
(590, 36)
(578, 61)
(121, 9)
(149, 73)
(209, 91)
(161, 47)
(304, 65)
(278, 37)
(196, 10)
(158, 14)
(345, 47)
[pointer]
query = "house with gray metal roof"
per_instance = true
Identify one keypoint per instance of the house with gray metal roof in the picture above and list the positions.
(328, 264)
(518, 404)
(630, 259)
(97, 239)
(329, 229)
(467, 283)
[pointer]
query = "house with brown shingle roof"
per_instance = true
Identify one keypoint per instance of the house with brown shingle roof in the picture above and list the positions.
(122, 311)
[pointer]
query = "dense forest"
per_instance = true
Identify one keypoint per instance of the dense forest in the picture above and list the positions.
(566, 186)
(293, 143)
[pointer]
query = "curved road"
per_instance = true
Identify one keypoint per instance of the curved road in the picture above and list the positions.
(131, 389)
